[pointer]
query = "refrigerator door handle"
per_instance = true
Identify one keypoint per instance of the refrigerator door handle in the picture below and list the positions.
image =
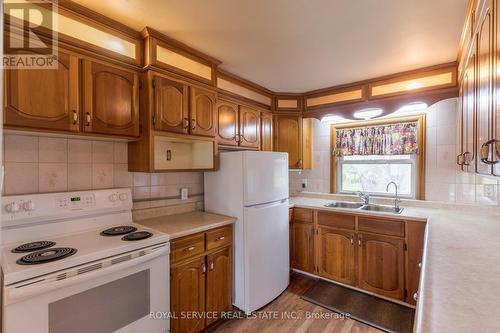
(269, 204)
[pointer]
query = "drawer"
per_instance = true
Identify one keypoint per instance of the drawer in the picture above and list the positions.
(337, 220)
(219, 237)
(382, 226)
(187, 247)
(303, 215)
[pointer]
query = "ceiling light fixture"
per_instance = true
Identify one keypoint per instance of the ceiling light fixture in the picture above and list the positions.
(367, 113)
(333, 119)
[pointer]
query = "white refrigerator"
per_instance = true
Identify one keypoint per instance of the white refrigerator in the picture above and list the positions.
(253, 187)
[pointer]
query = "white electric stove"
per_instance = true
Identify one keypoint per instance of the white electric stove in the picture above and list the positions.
(77, 263)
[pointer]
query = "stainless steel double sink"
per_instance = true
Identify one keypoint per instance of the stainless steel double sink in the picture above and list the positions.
(360, 206)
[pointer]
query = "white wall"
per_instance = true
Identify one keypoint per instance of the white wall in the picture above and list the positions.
(443, 181)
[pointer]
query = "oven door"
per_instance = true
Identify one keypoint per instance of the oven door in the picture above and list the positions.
(125, 293)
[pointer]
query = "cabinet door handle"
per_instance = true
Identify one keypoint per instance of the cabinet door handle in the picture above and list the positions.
(186, 123)
(359, 242)
(189, 249)
(484, 151)
(419, 265)
(220, 238)
(193, 124)
(299, 163)
(87, 115)
(237, 138)
(75, 117)
(352, 240)
(204, 268)
(211, 265)
(460, 160)
(415, 296)
(466, 158)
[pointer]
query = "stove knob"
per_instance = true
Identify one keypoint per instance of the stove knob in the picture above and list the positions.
(123, 196)
(113, 197)
(12, 207)
(29, 206)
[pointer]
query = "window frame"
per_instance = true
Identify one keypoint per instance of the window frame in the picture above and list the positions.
(419, 187)
(411, 161)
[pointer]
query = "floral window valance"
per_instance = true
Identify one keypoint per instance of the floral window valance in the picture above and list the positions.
(392, 139)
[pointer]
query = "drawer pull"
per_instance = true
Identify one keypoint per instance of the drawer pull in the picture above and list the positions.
(220, 238)
(191, 248)
(415, 296)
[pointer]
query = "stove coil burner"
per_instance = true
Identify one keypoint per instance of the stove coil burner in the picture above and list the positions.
(137, 236)
(120, 230)
(33, 246)
(47, 255)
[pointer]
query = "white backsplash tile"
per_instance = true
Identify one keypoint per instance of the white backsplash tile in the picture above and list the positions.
(52, 177)
(21, 178)
(103, 152)
(79, 176)
(20, 148)
(79, 151)
(121, 176)
(52, 150)
(102, 175)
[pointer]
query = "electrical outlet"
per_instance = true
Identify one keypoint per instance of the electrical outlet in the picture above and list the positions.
(304, 183)
(488, 190)
(184, 193)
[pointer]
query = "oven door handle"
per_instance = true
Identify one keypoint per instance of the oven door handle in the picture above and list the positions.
(36, 286)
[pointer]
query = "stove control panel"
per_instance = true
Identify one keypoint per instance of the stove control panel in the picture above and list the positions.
(40, 207)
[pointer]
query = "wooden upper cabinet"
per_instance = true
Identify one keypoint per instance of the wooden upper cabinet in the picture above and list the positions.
(249, 127)
(46, 99)
(484, 86)
(381, 265)
(337, 255)
(219, 283)
(288, 131)
(170, 105)
(227, 123)
(468, 108)
(303, 246)
(111, 100)
(202, 110)
(187, 294)
(266, 131)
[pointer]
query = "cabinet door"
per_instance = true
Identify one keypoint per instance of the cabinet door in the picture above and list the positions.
(171, 106)
(202, 110)
(187, 294)
(381, 265)
(266, 131)
(468, 101)
(111, 100)
(249, 127)
(485, 93)
(336, 255)
(288, 139)
(303, 246)
(219, 283)
(227, 123)
(43, 98)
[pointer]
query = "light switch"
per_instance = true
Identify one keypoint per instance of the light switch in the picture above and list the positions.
(184, 193)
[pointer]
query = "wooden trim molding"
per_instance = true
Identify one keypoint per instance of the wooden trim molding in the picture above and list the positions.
(237, 87)
(420, 165)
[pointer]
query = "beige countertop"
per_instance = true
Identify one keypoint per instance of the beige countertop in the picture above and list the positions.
(460, 281)
(184, 224)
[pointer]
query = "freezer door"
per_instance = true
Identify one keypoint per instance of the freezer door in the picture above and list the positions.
(265, 254)
(265, 177)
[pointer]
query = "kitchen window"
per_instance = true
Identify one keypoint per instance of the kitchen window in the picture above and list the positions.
(369, 155)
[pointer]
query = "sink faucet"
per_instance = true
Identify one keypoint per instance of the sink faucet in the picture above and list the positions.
(396, 199)
(365, 197)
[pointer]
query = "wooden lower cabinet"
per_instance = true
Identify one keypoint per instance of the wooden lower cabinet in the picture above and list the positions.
(219, 279)
(381, 265)
(380, 255)
(303, 246)
(336, 255)
(187, 295)
(201, 282)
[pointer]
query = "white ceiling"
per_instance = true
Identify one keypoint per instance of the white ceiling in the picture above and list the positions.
(301, 45)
